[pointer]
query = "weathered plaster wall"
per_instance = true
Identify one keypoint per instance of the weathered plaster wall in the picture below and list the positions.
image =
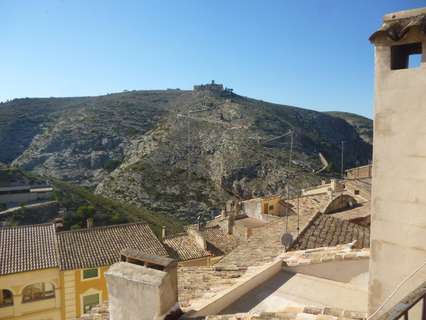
(354, 272)
(152, 292)
(253, 208)
(398, 224)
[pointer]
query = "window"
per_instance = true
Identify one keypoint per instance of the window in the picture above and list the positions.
(6, 298)
(90, 301)
(406, 56)
(38, 291)
(271, 207)
(90, 273)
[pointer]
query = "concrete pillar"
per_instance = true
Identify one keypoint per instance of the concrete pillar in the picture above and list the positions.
(231, 222)
(163, 232)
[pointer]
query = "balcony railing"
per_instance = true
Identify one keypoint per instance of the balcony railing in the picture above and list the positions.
(412, 307)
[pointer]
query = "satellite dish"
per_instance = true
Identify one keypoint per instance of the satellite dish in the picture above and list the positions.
(287, 240)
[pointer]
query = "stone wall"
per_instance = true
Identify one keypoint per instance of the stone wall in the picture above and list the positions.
(360, 172)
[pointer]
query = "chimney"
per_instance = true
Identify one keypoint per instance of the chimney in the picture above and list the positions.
(142, 286)
(231, 221)
(89, 223)
(163, 232)
(59, 224)
(198, 238)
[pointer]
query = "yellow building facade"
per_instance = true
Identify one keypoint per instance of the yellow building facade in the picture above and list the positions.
(82, 289)
(50, 275)
(276, 206)
(34, 295)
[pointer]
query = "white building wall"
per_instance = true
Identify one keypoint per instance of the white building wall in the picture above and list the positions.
(398, 224)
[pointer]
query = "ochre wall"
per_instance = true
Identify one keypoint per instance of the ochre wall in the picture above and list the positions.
(83, 286)
(277, 210)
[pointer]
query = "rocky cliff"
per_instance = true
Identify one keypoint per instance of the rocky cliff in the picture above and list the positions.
(174, 151)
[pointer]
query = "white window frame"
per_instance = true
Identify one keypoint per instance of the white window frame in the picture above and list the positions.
(89, 292)
(82, 278)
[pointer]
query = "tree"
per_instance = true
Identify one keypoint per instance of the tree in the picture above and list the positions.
(85, 212)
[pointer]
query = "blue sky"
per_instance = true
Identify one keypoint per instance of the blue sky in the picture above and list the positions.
(313, 53)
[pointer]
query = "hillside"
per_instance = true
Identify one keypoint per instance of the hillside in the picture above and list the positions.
(363, 125)
(151, 149)
(71, 199)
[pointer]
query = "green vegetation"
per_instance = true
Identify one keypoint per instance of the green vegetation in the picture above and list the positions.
(111, 165)
(81, 204)
(232, 151)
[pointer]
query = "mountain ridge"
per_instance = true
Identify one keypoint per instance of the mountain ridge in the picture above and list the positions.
(134, 147)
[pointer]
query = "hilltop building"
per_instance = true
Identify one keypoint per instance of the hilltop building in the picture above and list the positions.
(212, 87)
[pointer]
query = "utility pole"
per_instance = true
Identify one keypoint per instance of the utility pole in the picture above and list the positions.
(289, 165)
(291, 148)
(341, 160)
(298, 208)
(189, 148)
(286, 216)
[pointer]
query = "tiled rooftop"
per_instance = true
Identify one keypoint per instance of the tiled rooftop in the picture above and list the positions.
(27, 248)
(218, 241)
(296, 313)
(199, 284)
(266, 242)
(327, 231)
(183, 247)
(88, 248)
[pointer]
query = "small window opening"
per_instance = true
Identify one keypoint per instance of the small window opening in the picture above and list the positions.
(406, 56)
(90, 273)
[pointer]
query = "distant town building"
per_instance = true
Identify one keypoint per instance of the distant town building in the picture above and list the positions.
(13, 196)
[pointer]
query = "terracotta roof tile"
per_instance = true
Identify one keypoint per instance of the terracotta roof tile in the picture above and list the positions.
(88, 248)
(183, 247)
(27, 248)
(218, 241)
(327, 231)
(398, 24)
